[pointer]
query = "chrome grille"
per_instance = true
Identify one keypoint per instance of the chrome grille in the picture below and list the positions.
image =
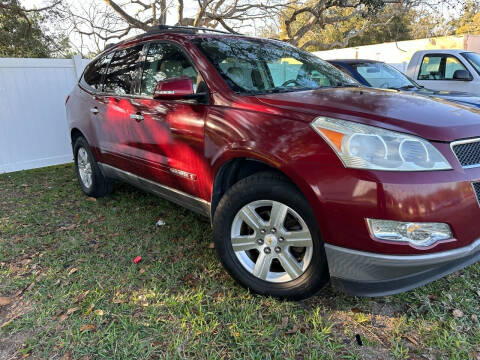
(467, 152)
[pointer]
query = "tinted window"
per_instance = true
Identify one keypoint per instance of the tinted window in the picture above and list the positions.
(123, 71)
(439, 67)
(381, 75)
(95, 71)
(259, 66)
(165, 61)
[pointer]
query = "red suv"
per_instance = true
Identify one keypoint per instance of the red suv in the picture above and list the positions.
(305, 175)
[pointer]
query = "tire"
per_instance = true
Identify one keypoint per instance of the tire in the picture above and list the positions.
(89, 176)
(235, 224)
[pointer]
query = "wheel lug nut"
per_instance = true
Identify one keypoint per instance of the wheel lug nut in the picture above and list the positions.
(281, 239)
(274, 230)
(278, 249)
(262, 231)
(267, 250)
(260, 241)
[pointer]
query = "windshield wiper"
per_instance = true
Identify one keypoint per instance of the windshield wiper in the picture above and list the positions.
(405, 87)
(344, 85)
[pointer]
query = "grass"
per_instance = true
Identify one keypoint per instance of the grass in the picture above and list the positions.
(66, 266)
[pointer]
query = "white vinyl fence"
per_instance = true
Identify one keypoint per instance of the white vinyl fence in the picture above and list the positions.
(33, 126)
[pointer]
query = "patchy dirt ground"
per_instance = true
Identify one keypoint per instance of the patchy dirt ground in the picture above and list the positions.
(71, 290)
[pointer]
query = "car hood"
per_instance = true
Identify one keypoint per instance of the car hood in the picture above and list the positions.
(430, 118)
(456, 96)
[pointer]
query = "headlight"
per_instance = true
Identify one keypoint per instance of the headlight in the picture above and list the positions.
(368, 147)
(417, 234)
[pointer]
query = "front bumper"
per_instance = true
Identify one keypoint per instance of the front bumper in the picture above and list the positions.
(368, 274)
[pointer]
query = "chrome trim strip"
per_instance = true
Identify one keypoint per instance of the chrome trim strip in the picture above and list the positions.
(358, 265)
(461, 142)
(188, 201)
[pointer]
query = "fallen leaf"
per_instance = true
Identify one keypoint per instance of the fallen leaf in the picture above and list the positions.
(72, 310)
(4, 301)
(30, 287)
(284, 323)
(412, 340)
(81, 296)
(63, 317)
(87, 327)
(474, 318)
(356, 310)
(66, 228)
(211, 246)
(457, 313)
(116, 234)
(90, 308)
(91, 199)
(98, 312)
(6, 323)
(72, 271)
(67, 356)
(141, 271)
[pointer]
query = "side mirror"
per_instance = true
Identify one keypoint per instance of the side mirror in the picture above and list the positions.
(462, 75)
(175, 88)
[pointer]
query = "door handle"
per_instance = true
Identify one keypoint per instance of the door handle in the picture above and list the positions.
(137, 117)
(94, 110)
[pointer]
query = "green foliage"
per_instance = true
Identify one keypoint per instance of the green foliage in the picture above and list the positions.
(469, 22)
(375, 22)
(22, 34)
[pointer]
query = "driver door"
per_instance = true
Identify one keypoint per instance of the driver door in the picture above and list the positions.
(437, 70)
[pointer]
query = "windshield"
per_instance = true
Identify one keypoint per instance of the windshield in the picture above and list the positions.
(261, 67)
(473, 59)
(380, 75)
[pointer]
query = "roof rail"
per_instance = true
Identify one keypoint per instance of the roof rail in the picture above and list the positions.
(187, 29)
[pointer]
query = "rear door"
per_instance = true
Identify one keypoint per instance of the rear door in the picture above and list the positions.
(90, 109)
(437, 70)
(117, 142)
(170, 133)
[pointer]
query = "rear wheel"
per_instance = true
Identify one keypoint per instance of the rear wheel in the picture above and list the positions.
(90, 178)
(267, 238)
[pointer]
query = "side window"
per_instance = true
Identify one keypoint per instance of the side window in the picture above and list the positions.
(439, 67)
(430, 69)
(166, 61)
(94, 73)
(122, 71)
(452, 64)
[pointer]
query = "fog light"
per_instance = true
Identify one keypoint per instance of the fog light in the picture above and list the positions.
(418, 234)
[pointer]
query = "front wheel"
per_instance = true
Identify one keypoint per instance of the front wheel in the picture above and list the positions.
(267, 237)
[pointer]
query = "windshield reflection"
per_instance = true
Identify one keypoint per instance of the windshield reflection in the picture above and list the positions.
(252, 66)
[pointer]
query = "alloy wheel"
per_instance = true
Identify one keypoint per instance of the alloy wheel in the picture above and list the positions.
(271, 241)
(84, 167)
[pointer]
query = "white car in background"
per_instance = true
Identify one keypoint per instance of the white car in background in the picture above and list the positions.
(453, 70)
